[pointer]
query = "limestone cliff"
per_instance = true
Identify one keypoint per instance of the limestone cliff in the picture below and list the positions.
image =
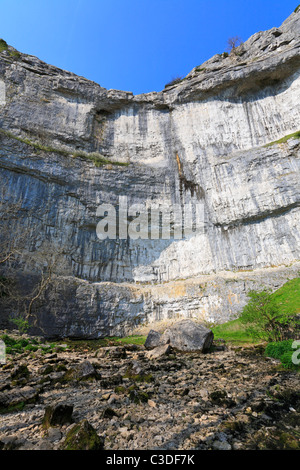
(226, 136)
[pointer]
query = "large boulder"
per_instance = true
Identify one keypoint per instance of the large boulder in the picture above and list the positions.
(153, 340)
(188, 336)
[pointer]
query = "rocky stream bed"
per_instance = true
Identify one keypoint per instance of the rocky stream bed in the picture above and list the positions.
(228, 399)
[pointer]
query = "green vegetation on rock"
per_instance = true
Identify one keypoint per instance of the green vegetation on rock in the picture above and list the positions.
(174, 81)
(12, 408)
(96, 158)
(135, 339)
(4, 47)
(233, 332)
(285, 303)
(284, 351)
(20, 345)
(82, 436)
(263, 316)
(295, 135)
(288, 296)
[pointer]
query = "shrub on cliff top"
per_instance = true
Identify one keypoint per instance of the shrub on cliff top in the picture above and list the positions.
(174, 81)
(12, 52)
(3, 45)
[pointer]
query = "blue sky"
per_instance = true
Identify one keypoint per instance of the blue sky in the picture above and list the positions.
(133, 45)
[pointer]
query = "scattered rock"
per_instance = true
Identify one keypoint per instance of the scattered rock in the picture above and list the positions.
(187, 401)
(136, 369)
(44, 445)
(18, 398)
(138, 396)
(221, 398)
(20, 372)
(83, 371)
(152, 403)
(159, 351)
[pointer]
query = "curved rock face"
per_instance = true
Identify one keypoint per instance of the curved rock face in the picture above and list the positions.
(209, 140)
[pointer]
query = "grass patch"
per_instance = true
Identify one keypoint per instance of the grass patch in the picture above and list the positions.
(94, 344)
(96, 158)
(135, 339)
(19, 346)
(4, 47)
(200, 69)
(295, 135)
(11, 409)
(297, 9)
(233, 332)
(288, 296)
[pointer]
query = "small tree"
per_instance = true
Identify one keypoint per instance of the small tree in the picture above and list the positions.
(174, 81)
(233, 43)
(264, 317)
(23, 293)
(43, 266)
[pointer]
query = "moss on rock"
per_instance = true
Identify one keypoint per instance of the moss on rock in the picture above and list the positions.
(82, 436)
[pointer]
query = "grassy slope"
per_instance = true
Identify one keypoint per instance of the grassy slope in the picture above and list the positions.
(288, 297)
